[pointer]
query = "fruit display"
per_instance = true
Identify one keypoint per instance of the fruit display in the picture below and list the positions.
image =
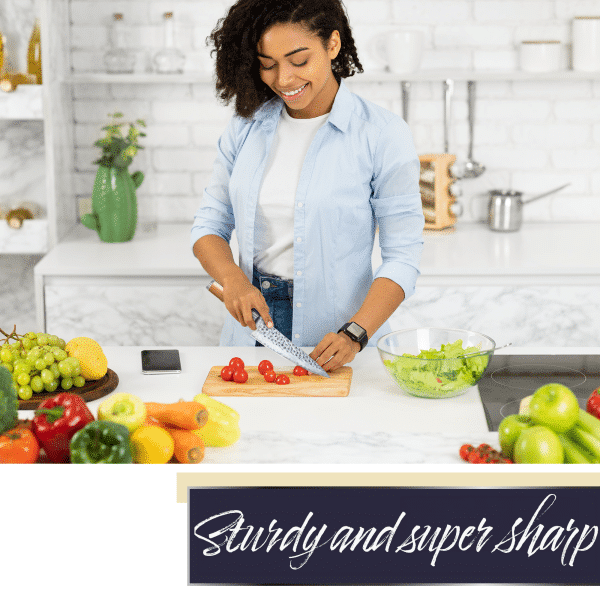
(552, 429)
(39, 362)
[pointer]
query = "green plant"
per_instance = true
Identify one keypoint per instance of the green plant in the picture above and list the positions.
(117, 150)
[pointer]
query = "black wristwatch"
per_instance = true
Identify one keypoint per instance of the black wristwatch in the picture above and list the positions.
(356, 333)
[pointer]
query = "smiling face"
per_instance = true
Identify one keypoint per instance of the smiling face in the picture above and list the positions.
(296, 66)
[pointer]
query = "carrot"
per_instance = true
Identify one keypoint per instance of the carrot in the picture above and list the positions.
(182, 414)
(189, 448)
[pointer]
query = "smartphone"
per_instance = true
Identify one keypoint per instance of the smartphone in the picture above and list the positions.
(160, 361)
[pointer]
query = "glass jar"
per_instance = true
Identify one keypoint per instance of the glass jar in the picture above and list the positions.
(118, 59)
(169, 59)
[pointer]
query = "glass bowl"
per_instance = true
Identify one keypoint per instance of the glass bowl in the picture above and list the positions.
(413, 360)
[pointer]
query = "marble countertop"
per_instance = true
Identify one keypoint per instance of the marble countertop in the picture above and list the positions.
(471, 250)
(375, 424)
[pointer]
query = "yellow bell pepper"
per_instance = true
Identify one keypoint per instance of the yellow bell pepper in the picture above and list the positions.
(222, 428)
(125, 409)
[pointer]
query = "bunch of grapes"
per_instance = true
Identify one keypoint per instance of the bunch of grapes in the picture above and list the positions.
(39, 363)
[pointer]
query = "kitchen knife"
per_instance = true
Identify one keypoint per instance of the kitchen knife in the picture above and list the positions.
(273, 338)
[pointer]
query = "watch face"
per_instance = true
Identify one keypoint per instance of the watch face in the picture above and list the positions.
(355, 330)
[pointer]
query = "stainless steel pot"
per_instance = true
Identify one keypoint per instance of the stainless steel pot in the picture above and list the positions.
(505, 208)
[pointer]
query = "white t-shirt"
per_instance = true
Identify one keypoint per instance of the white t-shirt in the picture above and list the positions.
(274, 238)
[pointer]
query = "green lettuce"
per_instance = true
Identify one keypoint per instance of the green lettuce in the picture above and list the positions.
(444, 371)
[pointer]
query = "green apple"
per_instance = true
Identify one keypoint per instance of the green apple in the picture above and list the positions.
(509, 431)
(555, 406)
(537, 445)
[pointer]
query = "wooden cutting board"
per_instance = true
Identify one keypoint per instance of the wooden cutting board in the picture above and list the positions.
(337, 384)
(92, 390)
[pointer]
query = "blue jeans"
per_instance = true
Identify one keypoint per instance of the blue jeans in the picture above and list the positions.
(279, 295)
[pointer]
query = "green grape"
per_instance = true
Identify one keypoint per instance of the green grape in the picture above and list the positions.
(65, 368)
(42, 339)
(21, 366)
(50, 387)
(31, 335)
(66, 383)
(23, 379)
(47, 377)
(5, 354)
(75, 365)
(16, 386)
(54, 370)
(36, 383)
(78, 381)
(34, 353)
(61, 343)
(48, 358)
(24, 392)
(53, 340)
(27, 343)
(40, 364)
(9, 366)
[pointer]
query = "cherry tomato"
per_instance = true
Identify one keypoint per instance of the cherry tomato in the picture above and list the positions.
(299, 371)
(236, 363)
(227, 373)
(464, 451)
(270, 376)
(240, 376)
(264, 366)
(282, 380)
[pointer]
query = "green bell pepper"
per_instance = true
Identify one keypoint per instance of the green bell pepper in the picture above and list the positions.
(101, 442)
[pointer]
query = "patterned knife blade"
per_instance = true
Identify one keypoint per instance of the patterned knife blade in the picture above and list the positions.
(275, 340)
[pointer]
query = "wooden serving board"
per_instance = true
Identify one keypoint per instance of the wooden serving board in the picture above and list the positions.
(337, 384)
(92, 390)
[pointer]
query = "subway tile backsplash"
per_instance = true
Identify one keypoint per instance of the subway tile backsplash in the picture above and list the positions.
(531, 135)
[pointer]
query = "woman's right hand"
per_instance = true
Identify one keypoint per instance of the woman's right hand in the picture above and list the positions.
(240, 297)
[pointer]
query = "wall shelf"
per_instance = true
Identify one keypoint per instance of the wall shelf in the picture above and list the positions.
(372, 76)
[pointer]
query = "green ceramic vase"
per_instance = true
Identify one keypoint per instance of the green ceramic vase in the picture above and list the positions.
(114, 204)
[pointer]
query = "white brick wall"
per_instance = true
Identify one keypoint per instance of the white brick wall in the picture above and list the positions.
(531, 135)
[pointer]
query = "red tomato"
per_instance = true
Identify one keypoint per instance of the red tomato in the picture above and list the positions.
(227, 373)
(236, 363)
(299, 371)
(269, 376)
(264, 366)
(282, 379)
(240, 375)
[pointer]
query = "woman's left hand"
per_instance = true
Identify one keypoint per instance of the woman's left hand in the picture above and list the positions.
(335, 350)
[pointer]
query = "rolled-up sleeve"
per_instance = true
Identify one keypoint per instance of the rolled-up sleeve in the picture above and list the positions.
(397, 206)
(215, 213)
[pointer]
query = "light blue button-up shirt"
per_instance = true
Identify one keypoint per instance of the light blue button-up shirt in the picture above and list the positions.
(361, 171)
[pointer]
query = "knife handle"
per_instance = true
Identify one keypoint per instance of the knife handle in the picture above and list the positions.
(216, 289)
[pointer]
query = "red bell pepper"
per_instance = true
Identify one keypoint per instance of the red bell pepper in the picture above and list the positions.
(56, 421)
(593, 404)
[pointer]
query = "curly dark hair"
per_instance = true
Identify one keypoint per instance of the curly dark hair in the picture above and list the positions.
(236, 36)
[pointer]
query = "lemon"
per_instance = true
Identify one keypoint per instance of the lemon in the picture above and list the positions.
(91, 357)
(151, 444)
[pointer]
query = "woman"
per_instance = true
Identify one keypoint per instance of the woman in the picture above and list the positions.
(305, 172)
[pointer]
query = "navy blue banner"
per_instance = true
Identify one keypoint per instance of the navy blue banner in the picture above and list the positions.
(383, 535)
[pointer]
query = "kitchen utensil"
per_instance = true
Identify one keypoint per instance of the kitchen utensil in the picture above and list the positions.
(273, 339)
(436, 185)
(434, 377)
(480, 352)
(92, 390)
(405, 85)
(338, 384)
(448, 91)
(472, 168)
(505, 208)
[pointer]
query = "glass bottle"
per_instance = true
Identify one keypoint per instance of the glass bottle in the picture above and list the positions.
(118, 59)
(1, 53)
(34, 53)
(169, 59)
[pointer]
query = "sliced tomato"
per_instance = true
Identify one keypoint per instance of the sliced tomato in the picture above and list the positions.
(282, 380)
